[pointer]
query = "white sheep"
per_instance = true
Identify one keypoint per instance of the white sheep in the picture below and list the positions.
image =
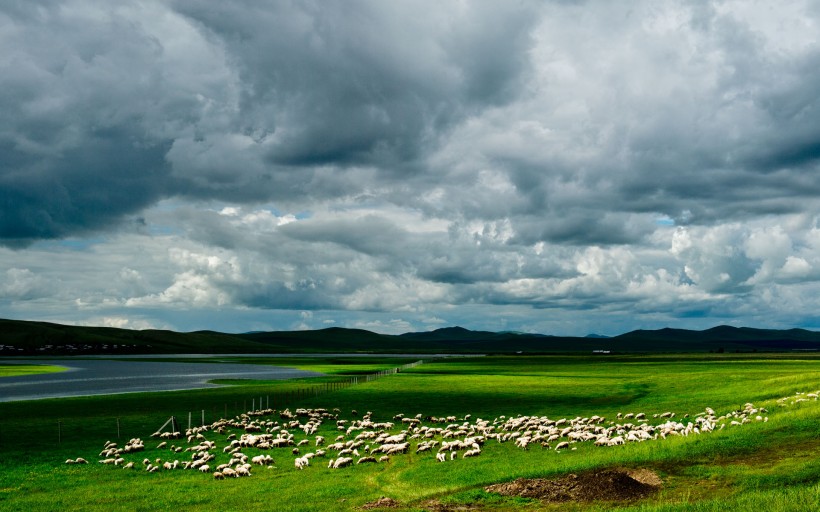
(342, 462)
(262, 460)
(471, 453)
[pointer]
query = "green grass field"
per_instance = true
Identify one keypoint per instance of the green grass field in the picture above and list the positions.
(772, 465)
(14, 370)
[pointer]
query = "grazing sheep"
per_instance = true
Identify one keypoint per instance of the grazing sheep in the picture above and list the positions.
(262, 460)
(457, 437)
(342, 462)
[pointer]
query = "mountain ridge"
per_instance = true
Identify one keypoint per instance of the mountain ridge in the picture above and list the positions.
(21, 337)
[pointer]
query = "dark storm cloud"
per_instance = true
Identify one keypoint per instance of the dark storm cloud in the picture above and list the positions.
(85, 188)
(81, 115)
(365, 83)
(297, 94)
(325, 100)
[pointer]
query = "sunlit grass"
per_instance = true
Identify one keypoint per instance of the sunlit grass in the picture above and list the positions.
(759, 466)
(15, 370)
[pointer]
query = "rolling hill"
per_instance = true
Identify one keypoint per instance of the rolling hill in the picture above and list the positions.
(19, 337)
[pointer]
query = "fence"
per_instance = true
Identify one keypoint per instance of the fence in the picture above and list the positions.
(258, 405)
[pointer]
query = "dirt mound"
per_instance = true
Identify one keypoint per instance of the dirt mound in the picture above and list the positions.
(603, 485)
(383, 502)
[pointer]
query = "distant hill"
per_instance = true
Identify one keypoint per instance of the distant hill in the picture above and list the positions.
(723, 337)
(25, 338)
(41, 338)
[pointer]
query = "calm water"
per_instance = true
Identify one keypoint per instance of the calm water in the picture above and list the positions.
(103, 377)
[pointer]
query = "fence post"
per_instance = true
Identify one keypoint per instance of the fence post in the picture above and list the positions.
(118, 428)
(59, 432)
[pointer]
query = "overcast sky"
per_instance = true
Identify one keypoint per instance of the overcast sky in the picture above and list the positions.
(557, 167)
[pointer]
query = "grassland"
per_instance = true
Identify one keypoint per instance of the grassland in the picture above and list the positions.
(759, 466)
(15, 370)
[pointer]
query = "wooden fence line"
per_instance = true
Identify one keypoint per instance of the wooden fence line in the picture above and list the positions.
(282, 400)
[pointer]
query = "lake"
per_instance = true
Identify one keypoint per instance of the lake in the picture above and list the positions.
(104, 377)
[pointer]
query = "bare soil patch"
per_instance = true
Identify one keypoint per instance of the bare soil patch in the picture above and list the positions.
(383, 502)
(617, 484)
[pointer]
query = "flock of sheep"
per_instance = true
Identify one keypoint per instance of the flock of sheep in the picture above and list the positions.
(248, 439)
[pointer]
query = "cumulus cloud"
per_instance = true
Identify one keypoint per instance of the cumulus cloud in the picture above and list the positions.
(23, 284)
(411, 159)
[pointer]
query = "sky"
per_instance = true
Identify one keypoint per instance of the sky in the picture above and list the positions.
(561, 167)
